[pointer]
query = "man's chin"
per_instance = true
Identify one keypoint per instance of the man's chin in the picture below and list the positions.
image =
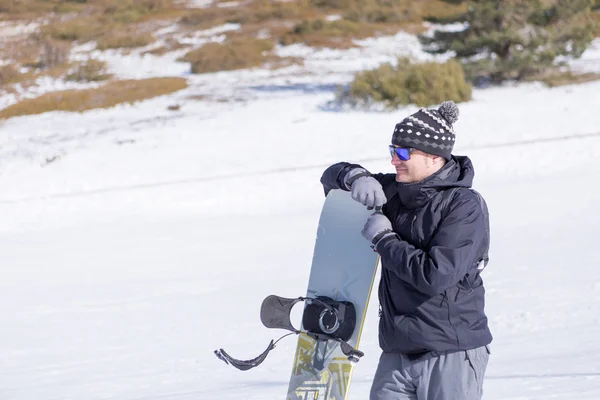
(402, 178)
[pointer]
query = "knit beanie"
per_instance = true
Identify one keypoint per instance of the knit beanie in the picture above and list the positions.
(429, 130)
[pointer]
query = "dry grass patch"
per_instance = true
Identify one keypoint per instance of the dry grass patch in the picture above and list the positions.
(260, 11)
(204, 18)
(391, 11)
(8, 74)
(132, 11)
(567, 78)
(124, 40)
(122, 11)
(100, 19)
(319, 32)
(19, 9)
(53, 53)
(237, 53)
(78, 29)
(439, 10)
(89, 71)
(109, 95)
(36, 51)
(56, 72)
(360, 19)
(22, 51)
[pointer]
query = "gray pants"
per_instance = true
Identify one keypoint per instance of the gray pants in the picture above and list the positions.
(453, 376)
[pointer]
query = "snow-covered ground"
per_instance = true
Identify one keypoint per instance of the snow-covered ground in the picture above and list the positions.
(137, 240)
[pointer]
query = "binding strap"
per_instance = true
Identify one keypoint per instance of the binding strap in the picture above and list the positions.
(244, 365)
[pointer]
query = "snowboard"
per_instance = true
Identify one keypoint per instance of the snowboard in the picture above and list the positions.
(343, 269)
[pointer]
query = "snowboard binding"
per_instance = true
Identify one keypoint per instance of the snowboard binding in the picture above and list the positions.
(324, 319)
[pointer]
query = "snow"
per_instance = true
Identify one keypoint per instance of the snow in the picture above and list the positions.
(197, 3)
(10, 29)
(590, 62)
(137, 240)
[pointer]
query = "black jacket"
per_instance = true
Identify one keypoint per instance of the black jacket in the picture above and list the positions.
(431, 293)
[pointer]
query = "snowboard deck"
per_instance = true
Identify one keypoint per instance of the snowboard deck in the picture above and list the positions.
(343, 268)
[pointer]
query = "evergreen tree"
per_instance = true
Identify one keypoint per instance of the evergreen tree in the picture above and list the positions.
(514, 39)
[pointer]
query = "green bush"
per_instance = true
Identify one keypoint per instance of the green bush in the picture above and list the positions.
(406, 83)
(238, 53)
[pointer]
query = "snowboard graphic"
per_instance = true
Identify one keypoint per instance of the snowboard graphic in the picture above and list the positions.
(343, 269)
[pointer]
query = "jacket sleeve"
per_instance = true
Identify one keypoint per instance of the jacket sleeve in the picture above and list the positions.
(457, 246)
(333, 176)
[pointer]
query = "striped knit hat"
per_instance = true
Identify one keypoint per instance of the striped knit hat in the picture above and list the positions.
(429, 130)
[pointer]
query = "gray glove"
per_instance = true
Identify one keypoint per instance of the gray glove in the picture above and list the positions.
(365, 189)
(376, 228)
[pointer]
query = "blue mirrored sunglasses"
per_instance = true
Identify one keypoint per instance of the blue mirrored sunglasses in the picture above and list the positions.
(403, 153)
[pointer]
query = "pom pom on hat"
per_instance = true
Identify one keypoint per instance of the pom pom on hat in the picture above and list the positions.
(449, 111)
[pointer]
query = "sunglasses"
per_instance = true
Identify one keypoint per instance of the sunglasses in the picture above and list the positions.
(403, 153)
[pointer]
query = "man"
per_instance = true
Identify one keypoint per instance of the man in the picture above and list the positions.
(432, 234)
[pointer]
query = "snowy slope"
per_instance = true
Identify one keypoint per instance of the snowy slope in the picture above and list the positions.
(153, 237)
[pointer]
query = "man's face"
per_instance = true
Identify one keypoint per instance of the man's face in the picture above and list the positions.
(420, 166)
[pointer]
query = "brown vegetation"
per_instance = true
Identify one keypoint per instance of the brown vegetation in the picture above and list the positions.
(109, 95)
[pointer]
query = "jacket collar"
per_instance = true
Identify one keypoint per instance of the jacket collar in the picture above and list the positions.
(416, 195)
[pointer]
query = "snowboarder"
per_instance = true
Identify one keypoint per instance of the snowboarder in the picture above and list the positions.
(431, 231)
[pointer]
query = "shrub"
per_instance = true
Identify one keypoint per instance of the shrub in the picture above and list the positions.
(124, 40)
(109, 95)
(89, 71)
(238, 53)
(406, 83)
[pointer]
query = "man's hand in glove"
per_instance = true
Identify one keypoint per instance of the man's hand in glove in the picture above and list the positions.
(376, 228)
(365, 189)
